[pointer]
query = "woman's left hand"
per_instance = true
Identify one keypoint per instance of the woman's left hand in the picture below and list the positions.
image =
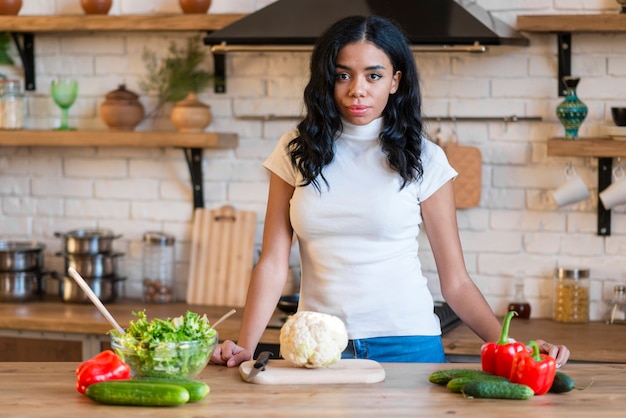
(559, 352)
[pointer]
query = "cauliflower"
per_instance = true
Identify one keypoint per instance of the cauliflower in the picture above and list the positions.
(312, 339)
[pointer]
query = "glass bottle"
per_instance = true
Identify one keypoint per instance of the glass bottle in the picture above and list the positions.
(12, 106)
(617, 308)
(571, 295)
(158, 267)
(519, 303)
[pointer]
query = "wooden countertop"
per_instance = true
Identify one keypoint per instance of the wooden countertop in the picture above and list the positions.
(593, 341)
(86, 319)
(47, 390)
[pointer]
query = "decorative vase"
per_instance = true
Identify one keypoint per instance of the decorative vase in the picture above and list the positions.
(191, 115)
(194, 6)
(96, 7)
(10, 7)
(121, 111)
(571, 111)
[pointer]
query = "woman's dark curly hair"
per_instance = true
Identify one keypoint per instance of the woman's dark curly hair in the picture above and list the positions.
(401, 135)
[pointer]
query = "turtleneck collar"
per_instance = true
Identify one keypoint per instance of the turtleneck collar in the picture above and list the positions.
(362, 132)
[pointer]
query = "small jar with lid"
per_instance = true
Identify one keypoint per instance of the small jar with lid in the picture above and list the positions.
(158, 268)
(571, 295)
(12, 106)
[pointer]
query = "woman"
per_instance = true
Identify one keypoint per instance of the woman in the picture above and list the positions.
(354, 182)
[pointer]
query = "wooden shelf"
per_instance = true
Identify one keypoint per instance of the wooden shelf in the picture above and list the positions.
(118, 139)
(601, 147)
(152, 22)
(572, 23)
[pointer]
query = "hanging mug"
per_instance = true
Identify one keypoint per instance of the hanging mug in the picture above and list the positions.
(573, 190)
(615, 194)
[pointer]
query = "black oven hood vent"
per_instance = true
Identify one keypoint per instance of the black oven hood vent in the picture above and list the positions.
(298, 23)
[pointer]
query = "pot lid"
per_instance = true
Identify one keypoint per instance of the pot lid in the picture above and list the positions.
(20, 246)
(121, 93)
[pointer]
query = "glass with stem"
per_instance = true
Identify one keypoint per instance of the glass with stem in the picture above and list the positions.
(64, 92)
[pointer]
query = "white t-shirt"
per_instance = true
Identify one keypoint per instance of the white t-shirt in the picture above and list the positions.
(358, 237)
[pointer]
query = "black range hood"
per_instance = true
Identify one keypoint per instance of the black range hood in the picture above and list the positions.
(290, 24)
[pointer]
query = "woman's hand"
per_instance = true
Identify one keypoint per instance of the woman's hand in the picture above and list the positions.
(230, 354)
(559, 352)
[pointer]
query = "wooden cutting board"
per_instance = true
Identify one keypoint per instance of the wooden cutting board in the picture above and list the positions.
(282, 372)
(222, 256)
(467, 161)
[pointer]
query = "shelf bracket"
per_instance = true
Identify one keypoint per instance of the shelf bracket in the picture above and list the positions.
(605, 172)
(219, 62)
(564, 49)
(26, 49)
(194, 162)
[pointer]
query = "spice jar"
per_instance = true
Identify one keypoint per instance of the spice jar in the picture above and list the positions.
(571, 296)
(519, 303)
(617, 307)
(11, 104)
(158, 267)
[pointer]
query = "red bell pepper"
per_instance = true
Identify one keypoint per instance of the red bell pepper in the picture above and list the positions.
(104, 366)
(534, 369)
(497, 358)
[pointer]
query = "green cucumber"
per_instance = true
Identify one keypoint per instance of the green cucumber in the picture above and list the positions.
(497, 390)
(563, 383)
(457, 384)
(197, 390)
(128, 392)
(442, 377)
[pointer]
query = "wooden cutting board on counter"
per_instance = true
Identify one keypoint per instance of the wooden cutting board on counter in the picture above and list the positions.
(222, 256)
(282, 372)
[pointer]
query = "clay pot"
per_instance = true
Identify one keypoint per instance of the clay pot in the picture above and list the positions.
(10, 7)
(194, 6)
(121, 111)
(191, 115)
(96, 7)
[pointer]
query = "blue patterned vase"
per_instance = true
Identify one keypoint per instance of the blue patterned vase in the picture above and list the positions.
(571, 111)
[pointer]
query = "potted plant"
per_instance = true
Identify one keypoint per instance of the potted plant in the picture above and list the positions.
(178, 79)
(5, 46)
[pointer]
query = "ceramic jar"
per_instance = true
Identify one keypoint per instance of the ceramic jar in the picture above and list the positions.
(191, 115)
(10, 7)
(571, 111)
(96, 7)
(122, 110)
(194, 6)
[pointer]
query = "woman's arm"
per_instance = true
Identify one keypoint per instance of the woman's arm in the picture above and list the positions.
(268, 278)
(458, 289)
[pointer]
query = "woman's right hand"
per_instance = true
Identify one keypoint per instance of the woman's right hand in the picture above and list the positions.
(230, 354)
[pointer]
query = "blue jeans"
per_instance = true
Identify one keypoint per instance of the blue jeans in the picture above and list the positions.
(409, 349)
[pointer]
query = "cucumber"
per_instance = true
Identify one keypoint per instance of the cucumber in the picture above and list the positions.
(563, 383)
(497, 390)
(442, 377)
(457, 384)
(128, 392)
(197, 390)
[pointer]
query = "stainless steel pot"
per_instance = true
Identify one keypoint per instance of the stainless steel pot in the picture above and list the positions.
(88, 241)
(21, 255)
(18, 286)
(93, 265)
(106, 288)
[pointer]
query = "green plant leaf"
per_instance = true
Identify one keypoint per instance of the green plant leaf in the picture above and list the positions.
(5, 46)
(178, 74)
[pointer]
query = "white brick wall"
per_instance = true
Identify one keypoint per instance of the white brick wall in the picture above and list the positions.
(516, 229)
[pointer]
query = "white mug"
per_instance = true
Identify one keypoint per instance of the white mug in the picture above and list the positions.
(573, 190)
(615, 194)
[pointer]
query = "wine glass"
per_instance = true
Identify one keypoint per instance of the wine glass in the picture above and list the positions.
(64, 92)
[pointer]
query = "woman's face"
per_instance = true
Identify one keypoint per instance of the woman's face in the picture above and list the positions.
(364, 80)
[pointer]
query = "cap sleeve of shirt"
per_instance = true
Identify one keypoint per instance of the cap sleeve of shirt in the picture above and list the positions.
(279, 161)
(437, 169)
